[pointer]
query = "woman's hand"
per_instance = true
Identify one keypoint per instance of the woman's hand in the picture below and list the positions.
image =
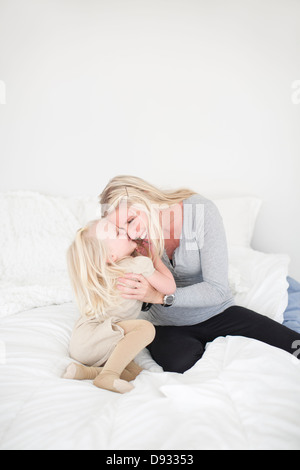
(138, 288)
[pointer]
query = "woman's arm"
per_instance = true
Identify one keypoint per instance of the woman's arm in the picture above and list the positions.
(213, 252)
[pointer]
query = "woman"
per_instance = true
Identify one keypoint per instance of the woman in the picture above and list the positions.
(187, 231)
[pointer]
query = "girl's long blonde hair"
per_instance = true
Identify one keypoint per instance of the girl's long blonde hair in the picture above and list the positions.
(136, 191)
(93, 279)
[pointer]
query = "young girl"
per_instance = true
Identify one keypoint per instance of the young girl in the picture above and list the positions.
(108, 333)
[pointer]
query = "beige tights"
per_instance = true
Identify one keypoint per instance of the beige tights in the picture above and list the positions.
(80, 372)
(138, 334)
(114, 375)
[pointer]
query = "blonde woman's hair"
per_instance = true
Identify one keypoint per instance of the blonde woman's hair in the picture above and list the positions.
(138, 192)
(93, 279)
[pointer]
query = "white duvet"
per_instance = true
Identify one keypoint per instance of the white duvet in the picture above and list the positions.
(242, 394)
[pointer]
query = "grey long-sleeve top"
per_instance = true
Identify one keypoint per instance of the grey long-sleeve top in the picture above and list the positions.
(199, 267)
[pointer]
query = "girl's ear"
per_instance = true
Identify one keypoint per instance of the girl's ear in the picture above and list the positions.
(111, 258)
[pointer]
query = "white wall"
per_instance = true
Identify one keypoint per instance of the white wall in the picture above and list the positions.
(191, 93)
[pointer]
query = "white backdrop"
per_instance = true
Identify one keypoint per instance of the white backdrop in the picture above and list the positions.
(195, 93)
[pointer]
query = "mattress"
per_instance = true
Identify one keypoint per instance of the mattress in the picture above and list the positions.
(231, 399)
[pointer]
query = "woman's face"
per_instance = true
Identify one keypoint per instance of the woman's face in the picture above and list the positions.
(115, 239)
(132, 219)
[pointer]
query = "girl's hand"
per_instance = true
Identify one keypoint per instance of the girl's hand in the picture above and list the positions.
(143, 249)
(138, 288)
(146, 246)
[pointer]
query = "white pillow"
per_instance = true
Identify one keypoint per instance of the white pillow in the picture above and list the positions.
(239, 216)
(258, 281)
(35, 232)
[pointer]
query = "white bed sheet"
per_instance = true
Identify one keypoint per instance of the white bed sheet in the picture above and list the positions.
(242, 394)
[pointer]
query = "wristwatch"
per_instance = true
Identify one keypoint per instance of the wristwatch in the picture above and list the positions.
(169, 300)
(146, 306)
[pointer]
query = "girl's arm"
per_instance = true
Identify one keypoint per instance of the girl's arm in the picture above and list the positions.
(162, 279)
(150, 282)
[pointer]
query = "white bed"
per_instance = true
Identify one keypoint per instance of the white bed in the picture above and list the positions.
(242, 394)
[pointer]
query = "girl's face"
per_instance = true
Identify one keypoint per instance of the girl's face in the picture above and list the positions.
(130, 219)
(116, 240)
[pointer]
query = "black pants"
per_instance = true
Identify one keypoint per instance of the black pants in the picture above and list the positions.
(178, 348)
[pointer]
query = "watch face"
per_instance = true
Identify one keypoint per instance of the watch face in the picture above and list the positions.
(169, 299)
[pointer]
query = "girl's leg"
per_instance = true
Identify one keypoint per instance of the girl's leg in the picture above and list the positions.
(138, 334)
(81, 372)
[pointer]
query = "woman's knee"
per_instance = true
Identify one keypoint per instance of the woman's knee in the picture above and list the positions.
(179, 364)
(174, 352)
